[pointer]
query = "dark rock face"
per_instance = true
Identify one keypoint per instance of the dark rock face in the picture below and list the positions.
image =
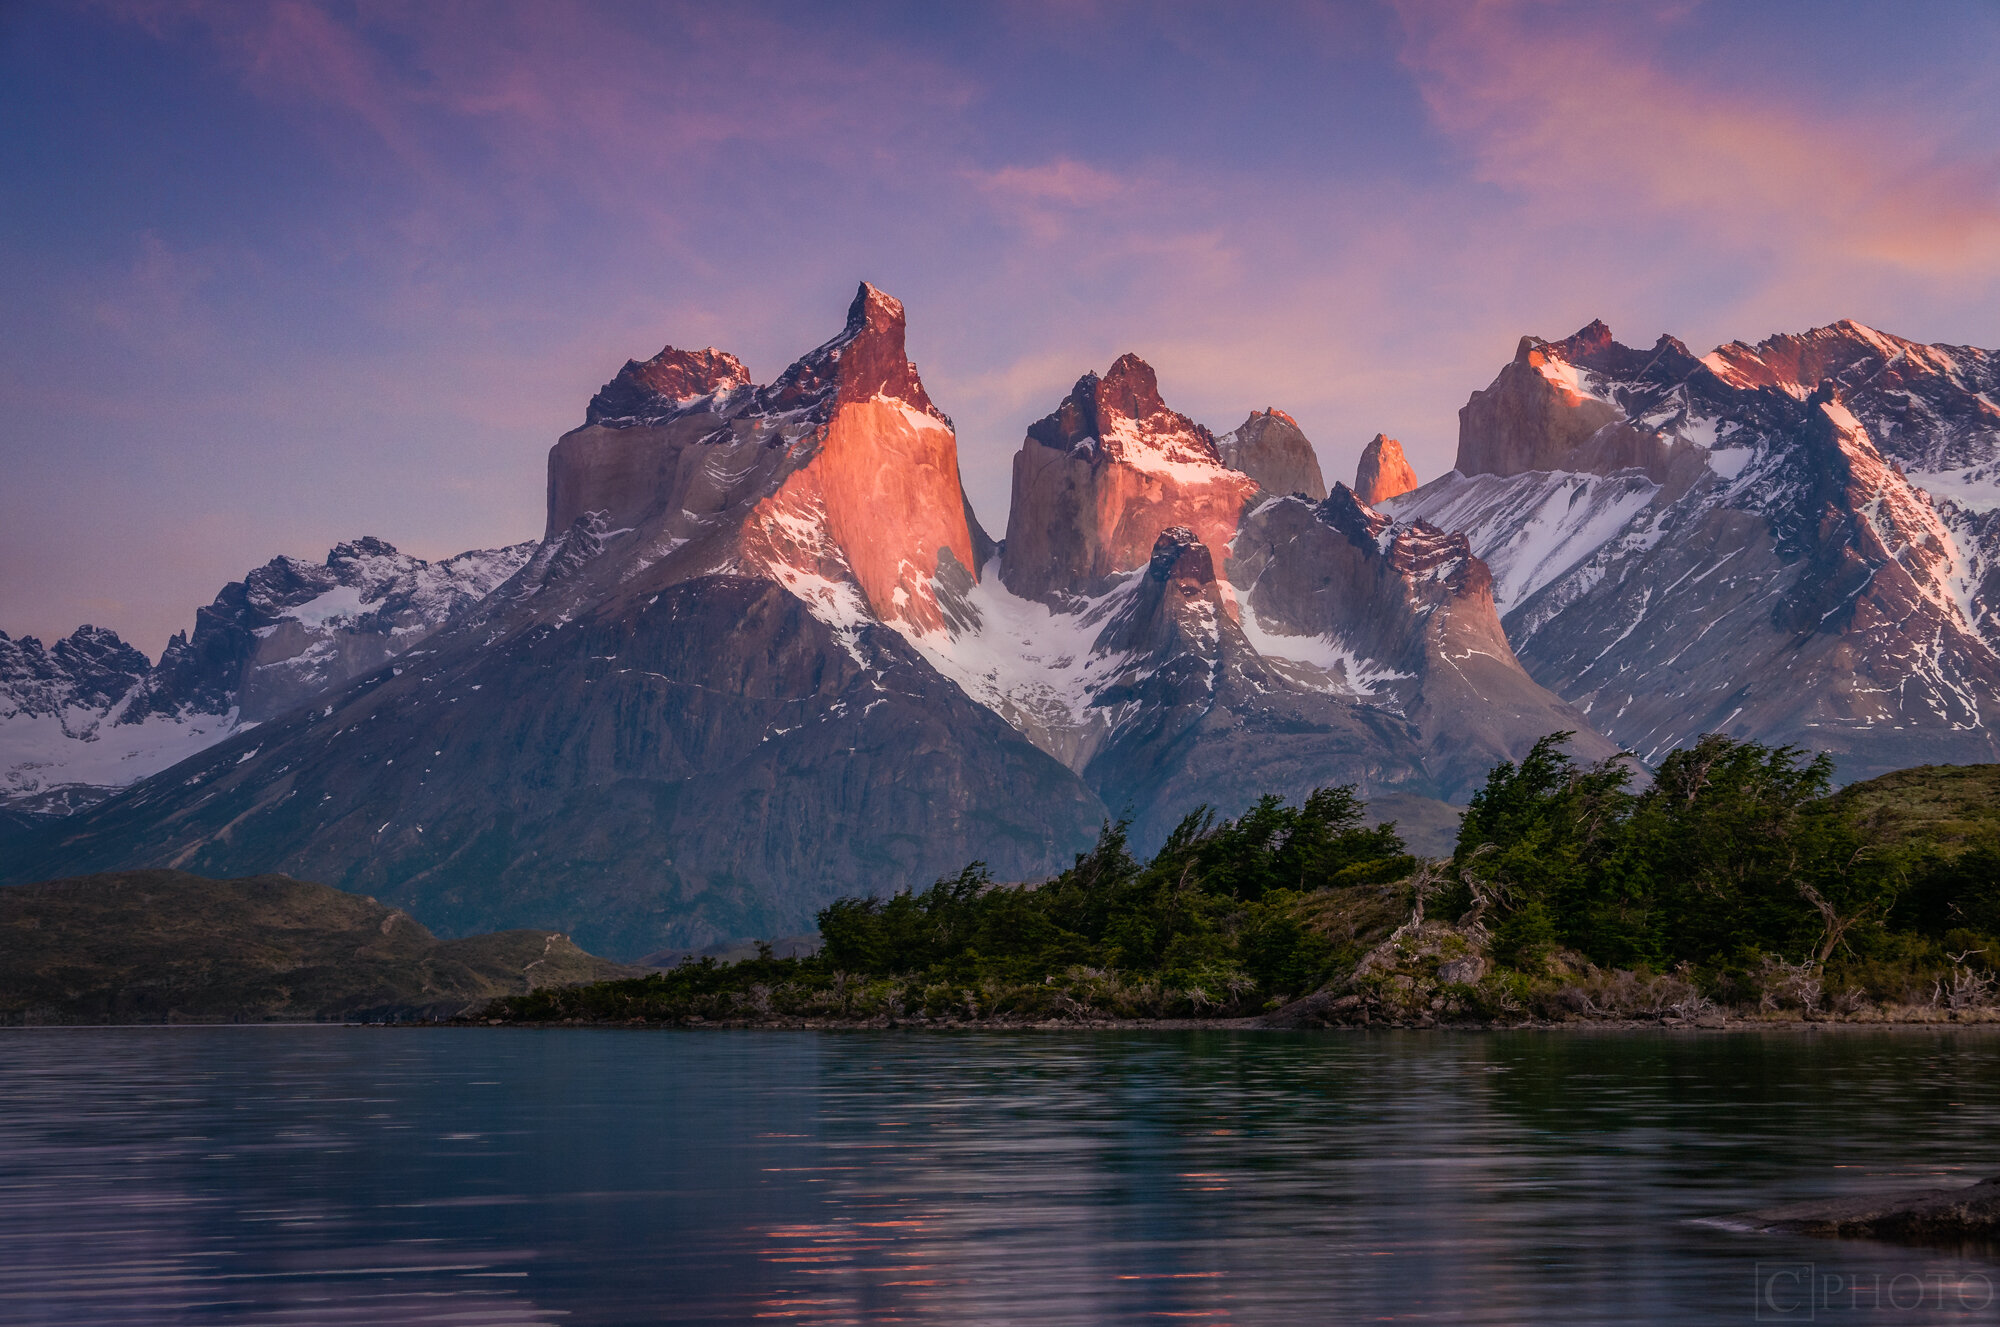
(1201, 717)
(1684, 545)
(660, 387)
(91, 668)
(717, 763)
(291, 630)
(1383, 471)
(1413, 611)
(1270, 448)
(1913, 1216)
(94, 713)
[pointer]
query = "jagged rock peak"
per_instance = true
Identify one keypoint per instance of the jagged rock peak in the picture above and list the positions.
(1554, 397)
(91, 667)
(1586, 341)
(1100, 477)
(647, 389)
(1179, 554)
(1595, 349)
(1416, 549)
(1796, 362)
(1121, 416)
(1346, 512)
(1270, 447)
(867, 360)
(355, 550)
(1384, 472)
(1132, 388)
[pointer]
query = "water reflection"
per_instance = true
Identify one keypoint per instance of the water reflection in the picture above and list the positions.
(321, 1175)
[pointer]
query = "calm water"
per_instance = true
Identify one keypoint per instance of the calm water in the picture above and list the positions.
(318, 1175)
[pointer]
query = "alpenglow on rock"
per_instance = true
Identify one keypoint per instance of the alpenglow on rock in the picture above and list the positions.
(1101, 476)
(1792, 542)
(765, 656)
(1383, 473)
(691, 715)
(1175, 633)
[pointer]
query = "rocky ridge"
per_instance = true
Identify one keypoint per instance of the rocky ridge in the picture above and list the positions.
(765, 655)
(690, 715)
(92, 713)
(1684, 544)
(1305, 644)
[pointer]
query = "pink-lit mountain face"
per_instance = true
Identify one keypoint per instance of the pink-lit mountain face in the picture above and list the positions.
(765, 655)
(1383, 472)
(691, 714)
(1793, 541)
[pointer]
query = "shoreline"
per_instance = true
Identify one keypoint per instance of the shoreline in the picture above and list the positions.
(1243, 1025)
(1988, 1021)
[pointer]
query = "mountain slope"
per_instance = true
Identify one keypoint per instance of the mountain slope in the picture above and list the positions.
(685, 718)
(91, 713)
(1177, 633)
(1685, 544)
(765, 656)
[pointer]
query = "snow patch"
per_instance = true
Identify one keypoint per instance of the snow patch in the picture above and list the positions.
(1729, 461)
(340, 604)
(1530, 529)
(1344, 672)
(1034, 667)
(42, 751)
(1976, 488)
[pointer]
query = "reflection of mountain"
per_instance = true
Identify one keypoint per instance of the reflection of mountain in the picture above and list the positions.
(1501, 1179)
(521, 1177)
(152, 1174)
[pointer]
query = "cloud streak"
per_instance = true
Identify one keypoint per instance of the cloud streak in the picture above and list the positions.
(372, 309)
(1586, 122)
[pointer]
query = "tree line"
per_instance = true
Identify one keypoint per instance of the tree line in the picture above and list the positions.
(1734, 861)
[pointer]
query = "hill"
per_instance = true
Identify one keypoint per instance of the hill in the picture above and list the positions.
(167, 946)
(1945, 809)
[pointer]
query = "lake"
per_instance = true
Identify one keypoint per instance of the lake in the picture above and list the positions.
(306, 1175)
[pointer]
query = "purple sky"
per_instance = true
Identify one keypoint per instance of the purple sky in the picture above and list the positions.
(272, 276)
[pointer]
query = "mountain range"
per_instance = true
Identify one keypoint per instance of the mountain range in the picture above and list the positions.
(765, 654)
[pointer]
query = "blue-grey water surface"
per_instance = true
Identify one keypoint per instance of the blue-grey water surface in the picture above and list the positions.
(351, 1175)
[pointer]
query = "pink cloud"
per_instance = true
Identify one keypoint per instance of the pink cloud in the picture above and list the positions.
(1575, 119)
